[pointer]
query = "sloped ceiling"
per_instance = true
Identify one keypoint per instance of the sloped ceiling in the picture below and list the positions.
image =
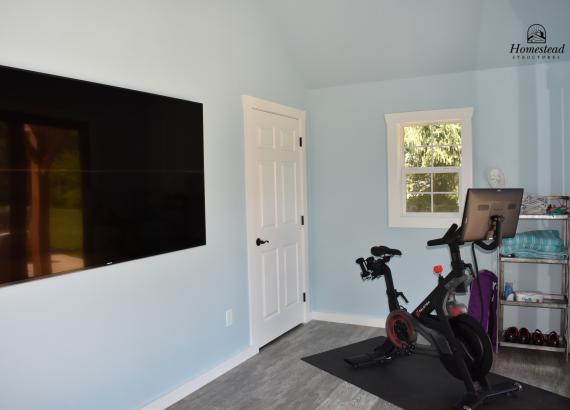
(336, 42)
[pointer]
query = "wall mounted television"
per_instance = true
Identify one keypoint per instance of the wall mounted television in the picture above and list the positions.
(92, 175)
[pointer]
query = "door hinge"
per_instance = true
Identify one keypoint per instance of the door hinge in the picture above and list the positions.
(302, 219)
(301, 141)
(304, 297)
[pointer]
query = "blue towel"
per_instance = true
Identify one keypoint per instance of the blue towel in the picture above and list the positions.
(543, 244)
(532, 254)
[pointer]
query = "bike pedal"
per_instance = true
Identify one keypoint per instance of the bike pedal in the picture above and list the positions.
(410, 349)
(406, 350)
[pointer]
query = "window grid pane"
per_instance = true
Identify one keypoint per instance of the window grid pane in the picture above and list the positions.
(440, 201)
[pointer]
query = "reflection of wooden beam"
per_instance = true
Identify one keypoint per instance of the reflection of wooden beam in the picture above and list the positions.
(39, 209)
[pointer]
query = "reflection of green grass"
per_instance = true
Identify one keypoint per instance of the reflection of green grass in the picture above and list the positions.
(66, 230)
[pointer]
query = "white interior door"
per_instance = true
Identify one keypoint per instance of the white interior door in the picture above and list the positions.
(276, 203)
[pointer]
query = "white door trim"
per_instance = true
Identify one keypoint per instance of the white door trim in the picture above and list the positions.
(254, 103)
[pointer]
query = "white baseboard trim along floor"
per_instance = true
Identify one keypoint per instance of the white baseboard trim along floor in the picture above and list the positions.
(361, 320)
(187, 388)
(191, 386)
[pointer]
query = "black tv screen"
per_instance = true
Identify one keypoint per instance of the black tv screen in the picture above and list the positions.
(92, 175)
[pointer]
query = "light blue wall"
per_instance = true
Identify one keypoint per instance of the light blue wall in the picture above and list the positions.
(119, 337)
(517, 126)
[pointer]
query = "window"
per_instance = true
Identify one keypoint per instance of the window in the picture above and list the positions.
(429, 166)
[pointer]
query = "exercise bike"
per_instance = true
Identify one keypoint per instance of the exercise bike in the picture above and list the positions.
(459, 340)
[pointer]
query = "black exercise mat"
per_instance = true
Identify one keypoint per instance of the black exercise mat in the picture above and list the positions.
(420, 382)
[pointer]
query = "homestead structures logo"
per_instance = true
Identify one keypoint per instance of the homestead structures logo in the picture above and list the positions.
(536, 34)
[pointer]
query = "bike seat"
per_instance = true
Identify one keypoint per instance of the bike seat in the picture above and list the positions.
(383, 251)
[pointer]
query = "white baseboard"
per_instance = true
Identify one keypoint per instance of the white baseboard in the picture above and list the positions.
(372, 321)
(187, 388)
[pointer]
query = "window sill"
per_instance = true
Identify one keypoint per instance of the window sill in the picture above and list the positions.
(423, 221)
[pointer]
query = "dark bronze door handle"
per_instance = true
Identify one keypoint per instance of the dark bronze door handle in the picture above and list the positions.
(260, 242)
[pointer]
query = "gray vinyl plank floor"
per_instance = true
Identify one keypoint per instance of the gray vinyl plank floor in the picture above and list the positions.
(277, 378)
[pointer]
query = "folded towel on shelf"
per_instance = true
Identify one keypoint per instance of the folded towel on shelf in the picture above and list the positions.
(534, 205)
(542, 244)
(532, 254)
(547, 240)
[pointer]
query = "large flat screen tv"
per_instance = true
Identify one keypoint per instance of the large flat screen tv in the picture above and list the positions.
(92, 175)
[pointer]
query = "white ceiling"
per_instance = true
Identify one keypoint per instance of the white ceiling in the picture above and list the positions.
(336, 42)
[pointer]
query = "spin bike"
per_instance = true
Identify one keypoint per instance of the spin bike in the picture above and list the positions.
(459, 341)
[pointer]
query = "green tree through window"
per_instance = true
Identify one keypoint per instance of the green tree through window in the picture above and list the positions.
(432, 161)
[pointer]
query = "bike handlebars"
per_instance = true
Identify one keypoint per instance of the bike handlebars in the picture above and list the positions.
(372, 268)
(364, 272)
(450, 236)
(454, 235)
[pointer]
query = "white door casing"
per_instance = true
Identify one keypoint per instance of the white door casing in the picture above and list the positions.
(275, 165)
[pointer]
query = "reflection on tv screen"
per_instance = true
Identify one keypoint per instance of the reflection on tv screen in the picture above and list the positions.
(92, 175)
(50, 183)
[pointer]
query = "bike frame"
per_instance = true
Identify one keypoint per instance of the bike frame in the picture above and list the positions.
(430, 318)
(436, 328)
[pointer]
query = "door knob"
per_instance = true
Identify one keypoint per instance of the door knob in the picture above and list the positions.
(260, 241)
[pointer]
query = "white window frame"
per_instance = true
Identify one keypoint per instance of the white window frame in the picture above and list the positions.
(395, 123)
